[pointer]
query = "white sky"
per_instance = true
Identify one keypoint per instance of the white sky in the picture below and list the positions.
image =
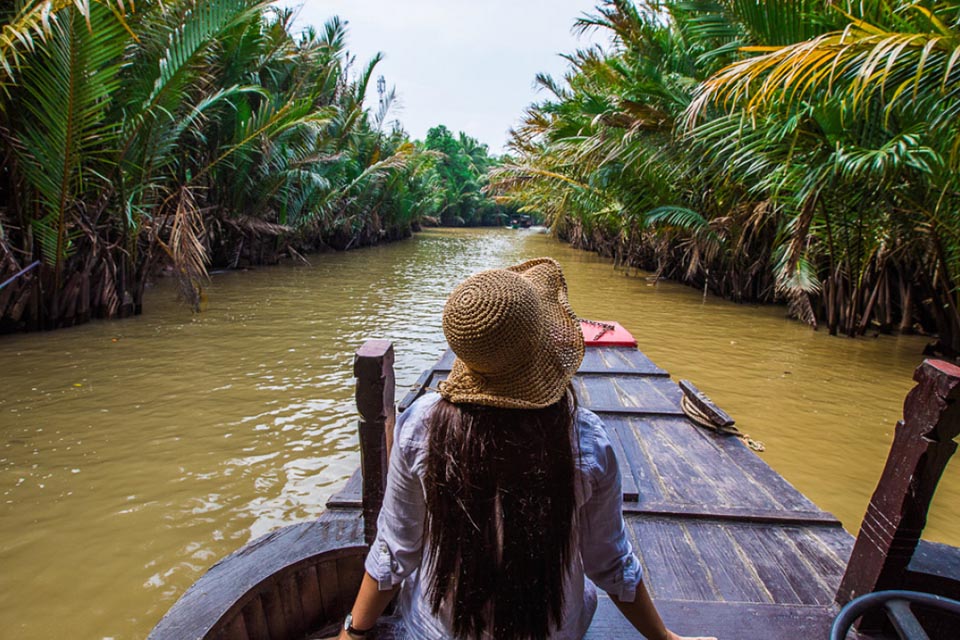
(468, 65)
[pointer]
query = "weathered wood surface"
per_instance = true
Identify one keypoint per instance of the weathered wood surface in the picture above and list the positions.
(282, 585)
(717, 416)
(888, 552)
(373, 368)
(350, 495)
(729, 621)
(728, 547)
(922, 445)
(602, 360)
(935, 567)
(626, 362)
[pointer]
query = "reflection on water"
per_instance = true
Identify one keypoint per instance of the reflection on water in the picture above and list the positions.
(136, 453)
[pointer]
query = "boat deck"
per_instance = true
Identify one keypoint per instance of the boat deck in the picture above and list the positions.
(729, 548)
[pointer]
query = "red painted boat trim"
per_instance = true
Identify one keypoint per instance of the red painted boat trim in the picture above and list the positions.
(595, 335)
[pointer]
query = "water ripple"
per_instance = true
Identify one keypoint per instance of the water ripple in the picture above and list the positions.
(137, 453)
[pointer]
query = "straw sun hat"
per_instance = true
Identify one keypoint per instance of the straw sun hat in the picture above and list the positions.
(517, 341)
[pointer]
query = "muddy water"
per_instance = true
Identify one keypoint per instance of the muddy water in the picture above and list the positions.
(134, 454)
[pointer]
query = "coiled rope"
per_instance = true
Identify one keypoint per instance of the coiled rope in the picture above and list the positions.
(700, 418)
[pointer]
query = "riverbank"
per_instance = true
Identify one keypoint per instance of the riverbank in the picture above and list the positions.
(705, 162)
(234, 245)
(667, 260)
(137, 453)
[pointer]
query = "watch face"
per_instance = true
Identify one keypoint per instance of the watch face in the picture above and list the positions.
(348, 627)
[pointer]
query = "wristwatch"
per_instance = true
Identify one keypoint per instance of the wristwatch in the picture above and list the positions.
(351, 631)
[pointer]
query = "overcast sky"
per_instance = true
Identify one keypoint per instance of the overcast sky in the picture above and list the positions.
(468, 65)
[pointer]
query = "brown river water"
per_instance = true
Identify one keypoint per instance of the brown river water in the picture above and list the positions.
(136, 453)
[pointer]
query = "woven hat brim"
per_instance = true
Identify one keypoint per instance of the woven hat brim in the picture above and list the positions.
(541, 380)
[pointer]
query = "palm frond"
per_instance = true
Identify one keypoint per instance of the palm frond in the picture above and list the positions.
(62, 128)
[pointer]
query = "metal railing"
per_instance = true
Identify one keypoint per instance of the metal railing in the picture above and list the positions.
(897, 604)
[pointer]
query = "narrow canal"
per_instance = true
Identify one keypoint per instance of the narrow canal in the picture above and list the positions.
(136, 453)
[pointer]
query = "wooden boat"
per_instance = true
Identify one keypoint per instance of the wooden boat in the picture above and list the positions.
(728, 546)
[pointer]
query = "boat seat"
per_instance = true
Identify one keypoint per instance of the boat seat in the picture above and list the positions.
(935, 567)
(725, 619)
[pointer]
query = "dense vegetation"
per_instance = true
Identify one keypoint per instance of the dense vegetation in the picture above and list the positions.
(793, 150)
(189, 133)
(459, 178)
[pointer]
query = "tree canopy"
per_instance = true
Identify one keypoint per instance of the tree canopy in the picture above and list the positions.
(781, 150)
(183, 134)
(459, 171)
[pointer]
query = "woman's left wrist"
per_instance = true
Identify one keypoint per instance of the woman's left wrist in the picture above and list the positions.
(351, 631)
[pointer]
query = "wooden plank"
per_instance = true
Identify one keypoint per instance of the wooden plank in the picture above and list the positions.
(350, 496)
(416, 391)
(620, 371)
(701, 467)
(598, 392)
(738, 514)
(227, 587)
(936, 559)
(729, 571)
(762, 475)
(650, 486)
(446, 360)
(334, 605)
(290, 601)
(256, 620)
(677, 453)
(273, 609)
(655, 394)
(641, 394)
(922, 445)
(767, 562)
(725, 620)
(627, 480)
(615, 410)
(672, 565)
(837, 542)
(310, 602)
(810, 586)
(826, 550)
(634, 475)
(375, 394)
(620, 358)
(236, 630)
(717, 416)
(935, 568)
(349, 575)
(669, 446)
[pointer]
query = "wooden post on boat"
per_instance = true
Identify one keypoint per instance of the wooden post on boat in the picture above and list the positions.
(897, 513)
(373, 368)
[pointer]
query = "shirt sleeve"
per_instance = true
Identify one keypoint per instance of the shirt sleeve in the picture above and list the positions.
(398, 547)
(608, 558)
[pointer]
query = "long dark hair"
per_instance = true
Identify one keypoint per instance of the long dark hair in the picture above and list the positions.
(500, 506)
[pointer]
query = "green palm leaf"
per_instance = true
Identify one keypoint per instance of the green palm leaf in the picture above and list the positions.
(62, 128)
(863, 65)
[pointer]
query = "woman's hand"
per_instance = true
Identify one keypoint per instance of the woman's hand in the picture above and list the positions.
(643, 615)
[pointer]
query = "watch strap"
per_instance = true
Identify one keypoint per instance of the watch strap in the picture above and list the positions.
(352, 631)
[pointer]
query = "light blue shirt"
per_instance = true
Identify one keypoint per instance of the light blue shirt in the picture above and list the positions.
(605, 553)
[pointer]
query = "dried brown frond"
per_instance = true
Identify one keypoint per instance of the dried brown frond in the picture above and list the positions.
(798, 303)
(258, 226)
(187, 249)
